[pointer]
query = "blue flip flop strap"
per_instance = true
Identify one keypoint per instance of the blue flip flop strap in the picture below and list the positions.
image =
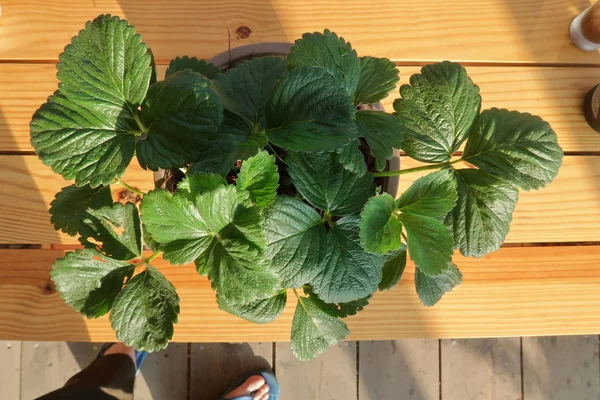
(140, 356)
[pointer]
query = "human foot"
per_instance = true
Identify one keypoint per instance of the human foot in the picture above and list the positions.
(255, 383)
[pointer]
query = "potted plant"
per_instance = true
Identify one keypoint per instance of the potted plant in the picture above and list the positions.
(276, 180)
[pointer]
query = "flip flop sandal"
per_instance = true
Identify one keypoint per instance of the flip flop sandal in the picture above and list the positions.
(270, 380)
(140, 356)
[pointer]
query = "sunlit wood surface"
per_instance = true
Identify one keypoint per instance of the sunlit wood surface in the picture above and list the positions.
(518, 52)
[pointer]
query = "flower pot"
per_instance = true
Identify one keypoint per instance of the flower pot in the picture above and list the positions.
(591, 108)
(234, 56)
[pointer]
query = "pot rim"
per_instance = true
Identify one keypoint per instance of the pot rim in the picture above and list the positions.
(225, 58)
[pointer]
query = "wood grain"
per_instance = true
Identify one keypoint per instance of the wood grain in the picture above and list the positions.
(10, 369)
(481, 369)
(399, 369)
(561, 368)
(519, 291)
(29, 187)
(164, 375)
(570, 199)
(331, 376)
(216, 366)
(402, 30)
(555, 94)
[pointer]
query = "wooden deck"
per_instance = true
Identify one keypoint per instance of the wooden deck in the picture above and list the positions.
(549, 368)
(544, 281)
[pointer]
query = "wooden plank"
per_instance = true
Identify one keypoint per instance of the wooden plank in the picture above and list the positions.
(48, 366)
(403, 30)
(399, 369)
(216, 366)
(164, 375)
(29, 187)
(536, 213)
(556, 94)
(480, 369)
(332, 376)
(23, 88)
(10, 369)
(561, 368)
(518, 291)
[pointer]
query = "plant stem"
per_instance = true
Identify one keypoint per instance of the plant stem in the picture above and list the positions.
(327, 218)
(404, 237)
(416, 169)
(128, 186)
(153, 256)
(276, 155)
(139, 123)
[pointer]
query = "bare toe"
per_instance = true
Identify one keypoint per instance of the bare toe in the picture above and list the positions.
(262, 392)
(255, 382)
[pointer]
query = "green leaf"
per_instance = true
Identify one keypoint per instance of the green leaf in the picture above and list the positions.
(182, 115)
(309, 111)
(314, 331)
(341, 310)
(481, 218)
(203, 67)
(89, 148)
(383, 133)
(154, 74)
(437, 110)
(199, 183)
(380, 228)
(260, 311)
(431, 288)
(245, 89)
(395, 263)
(327, 185)
(70, 206)
(429, 243)
(295, 234)
(433, 195)
(144, 312)
(183, 227)
(331, 53)
(117, 227)
(352, 159)
(353, 307)
(346, 271)
(148, 241)
(218, 159)
(86, 129)
(89, 281)
(240, 140)
(519, 147)
(378, 77)
(217, 230)
(260, 178)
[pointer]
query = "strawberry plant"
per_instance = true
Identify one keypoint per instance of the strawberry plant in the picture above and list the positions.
(280, 181)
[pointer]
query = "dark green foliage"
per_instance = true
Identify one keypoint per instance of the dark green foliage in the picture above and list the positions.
(279, 193)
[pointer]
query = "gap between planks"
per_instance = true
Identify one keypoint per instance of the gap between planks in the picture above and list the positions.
(403, 63)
